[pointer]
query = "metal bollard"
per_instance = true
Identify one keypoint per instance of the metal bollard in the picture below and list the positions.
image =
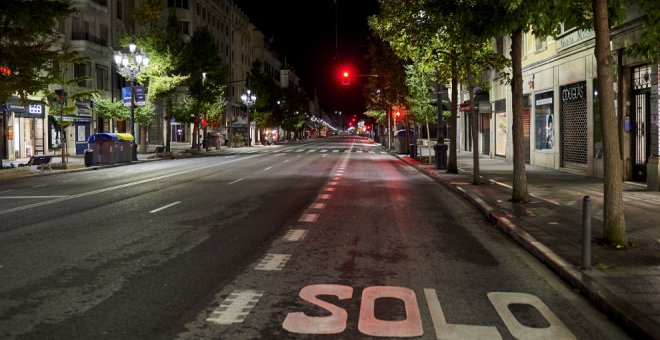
(586, 233)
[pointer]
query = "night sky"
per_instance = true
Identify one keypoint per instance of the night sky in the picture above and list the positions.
(303, 33)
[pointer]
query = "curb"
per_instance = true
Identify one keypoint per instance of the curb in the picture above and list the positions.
(634, 322)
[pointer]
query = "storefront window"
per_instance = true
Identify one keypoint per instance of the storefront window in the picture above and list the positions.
(544, 119)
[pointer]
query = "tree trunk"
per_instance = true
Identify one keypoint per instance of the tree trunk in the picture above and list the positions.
(63, 139)
(519, 191)
(428, 135)
(473, 127)
(614, 225)
(168, 127)
(452, 164)
(144, 130)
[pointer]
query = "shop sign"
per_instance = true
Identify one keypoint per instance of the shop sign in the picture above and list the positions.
(573, 92)
(574, 38)
(485, 107)
(14, 105)
(34, 111)
(84, 106)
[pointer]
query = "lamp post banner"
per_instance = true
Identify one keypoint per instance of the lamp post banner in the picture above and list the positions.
(126, 95)
(140, 96)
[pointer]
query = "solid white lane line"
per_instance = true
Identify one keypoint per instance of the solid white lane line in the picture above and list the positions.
(236, 307)
(236, 181)
(165, 207)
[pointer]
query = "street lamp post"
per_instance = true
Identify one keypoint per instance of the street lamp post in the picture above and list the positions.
(248, 99)
(130, 65)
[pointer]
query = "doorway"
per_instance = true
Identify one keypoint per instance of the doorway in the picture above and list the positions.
(640, 130)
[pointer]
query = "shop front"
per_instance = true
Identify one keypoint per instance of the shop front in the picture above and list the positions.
(23, 129)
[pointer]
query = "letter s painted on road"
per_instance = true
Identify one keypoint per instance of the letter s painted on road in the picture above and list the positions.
(335, 323)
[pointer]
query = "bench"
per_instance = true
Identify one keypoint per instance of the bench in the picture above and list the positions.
(159, 151)
(36, 162)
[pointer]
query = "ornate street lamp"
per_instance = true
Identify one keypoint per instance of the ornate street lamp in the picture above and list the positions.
(130, 65)
(248, 99)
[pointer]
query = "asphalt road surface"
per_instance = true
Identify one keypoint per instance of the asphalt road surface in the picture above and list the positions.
(333, 238)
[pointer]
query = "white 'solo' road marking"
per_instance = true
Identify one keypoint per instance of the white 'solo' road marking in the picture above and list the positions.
(336, 318)
(235, 307)
(273, 262)
(296, 235)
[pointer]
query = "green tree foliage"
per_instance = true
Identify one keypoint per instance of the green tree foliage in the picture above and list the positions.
(207, 75)
(163, 44)
(108, 109)
(27, 34)
(428, 31)
(647, 47)
(64, 88)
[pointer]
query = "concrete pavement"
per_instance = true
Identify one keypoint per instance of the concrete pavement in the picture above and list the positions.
(623, 283)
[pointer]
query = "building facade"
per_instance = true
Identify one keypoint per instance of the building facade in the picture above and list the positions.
(561, 104)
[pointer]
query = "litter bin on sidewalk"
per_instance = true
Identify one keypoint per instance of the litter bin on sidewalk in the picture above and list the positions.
(125, 148)
(413, 150)
(400, 142)
(440, 155)
(103, 146)
(89, 157)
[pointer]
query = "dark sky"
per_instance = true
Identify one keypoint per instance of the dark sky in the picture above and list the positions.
(303, 32)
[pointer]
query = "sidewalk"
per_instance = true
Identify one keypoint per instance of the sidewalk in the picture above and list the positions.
(624, 284)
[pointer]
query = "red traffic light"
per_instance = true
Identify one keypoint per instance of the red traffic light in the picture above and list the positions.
(345, 78)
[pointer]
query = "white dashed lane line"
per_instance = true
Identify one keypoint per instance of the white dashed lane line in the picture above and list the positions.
(236, 307)
(308, 218)
(236, 181)
(273, 262)
(296, 235)
(165, 207)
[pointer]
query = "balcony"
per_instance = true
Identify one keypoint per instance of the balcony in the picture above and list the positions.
(88, 37)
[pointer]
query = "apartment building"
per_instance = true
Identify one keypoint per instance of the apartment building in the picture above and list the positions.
(94, 32)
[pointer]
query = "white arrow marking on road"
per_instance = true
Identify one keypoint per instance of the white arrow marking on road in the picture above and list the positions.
(165, 207)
